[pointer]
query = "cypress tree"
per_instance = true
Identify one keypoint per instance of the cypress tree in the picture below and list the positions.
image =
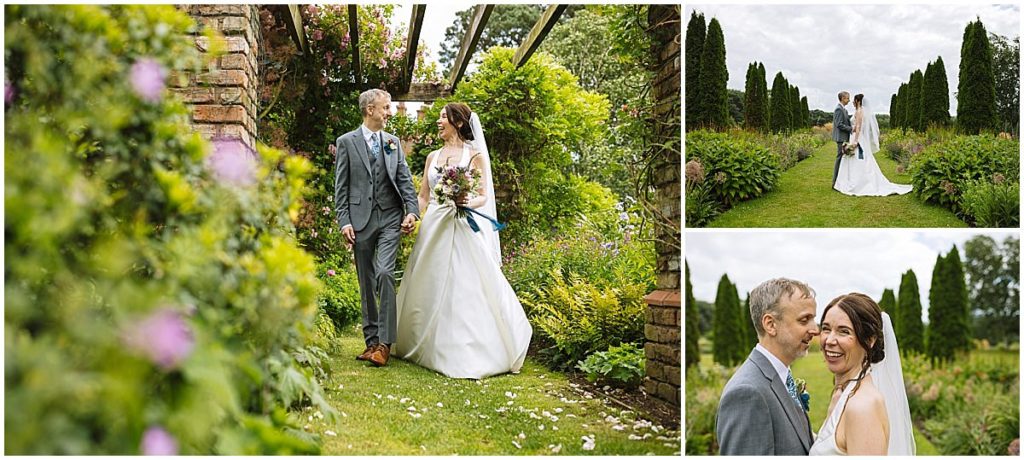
(909, 328)
(976, 92)
(696, 30)
(939, 317)
(762, 96)
(724, 323)
(750, 98)
(914, 97)
(796, 115)
(949, 313)
(893, 117)
(779, 113)
(889, 305)
(713, 101)
(806, 112)
(739, 348)
(935, 94)
(692, 323)
(903, 105)
(959, 300)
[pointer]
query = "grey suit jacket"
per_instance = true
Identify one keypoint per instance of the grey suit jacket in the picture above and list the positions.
(353, 189)
(841, 127)
(756, 416)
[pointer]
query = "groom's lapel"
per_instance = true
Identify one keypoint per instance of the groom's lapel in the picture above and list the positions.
(795, 414)
(364, 154)
(388, 160)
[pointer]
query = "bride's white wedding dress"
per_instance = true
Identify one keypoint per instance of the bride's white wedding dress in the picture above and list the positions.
(457, 314)
(863, 177)
(887, 376)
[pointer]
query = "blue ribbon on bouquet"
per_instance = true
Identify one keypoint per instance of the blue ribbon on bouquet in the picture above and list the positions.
(860, 152)
(498, 226)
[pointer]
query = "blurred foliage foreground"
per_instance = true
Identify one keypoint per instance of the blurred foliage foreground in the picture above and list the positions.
(155, 300)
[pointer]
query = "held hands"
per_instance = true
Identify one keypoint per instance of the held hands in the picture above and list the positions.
(409, 223)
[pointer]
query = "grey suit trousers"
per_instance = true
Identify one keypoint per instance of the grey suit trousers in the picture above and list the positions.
(376, 249)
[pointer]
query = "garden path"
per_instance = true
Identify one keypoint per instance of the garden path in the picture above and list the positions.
(803, 197)
(404, 409)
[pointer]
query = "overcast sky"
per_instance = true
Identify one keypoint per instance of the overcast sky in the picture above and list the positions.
(833, 262)
(870, 49)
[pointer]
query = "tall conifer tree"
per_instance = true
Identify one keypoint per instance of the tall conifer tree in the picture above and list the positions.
(976, 91)
(724, 323)
(692, 323)
(914, 97)
(696, 30)
(893, 111)
(713, 100)
(935, 98)
(779, 117)
(909, 327)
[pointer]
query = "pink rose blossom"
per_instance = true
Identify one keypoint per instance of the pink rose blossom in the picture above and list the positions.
(157, 441)
(330, 272)
(163, 337)
(232, 161)
(318, 35)
(147, 79)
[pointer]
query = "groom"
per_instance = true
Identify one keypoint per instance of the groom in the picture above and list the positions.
(760, 412)
(374, 200)
(841, 130)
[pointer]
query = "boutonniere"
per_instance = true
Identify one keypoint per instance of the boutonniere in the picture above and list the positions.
(390, 146)
(801, 391)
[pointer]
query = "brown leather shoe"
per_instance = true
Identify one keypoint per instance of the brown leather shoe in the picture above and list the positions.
(379, 356)
(365, 355)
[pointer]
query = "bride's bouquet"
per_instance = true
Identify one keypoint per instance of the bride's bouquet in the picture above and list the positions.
(849, 149)
(456, 183)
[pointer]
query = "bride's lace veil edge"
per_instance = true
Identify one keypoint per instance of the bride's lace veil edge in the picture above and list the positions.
(479, 143)
(871, 125)
(888, 378)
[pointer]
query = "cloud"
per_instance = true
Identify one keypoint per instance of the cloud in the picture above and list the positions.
(833, 262)
(870, 49)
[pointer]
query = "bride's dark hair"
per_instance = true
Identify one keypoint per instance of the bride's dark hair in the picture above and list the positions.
(458, 115)
(866, 318)
(858, 100)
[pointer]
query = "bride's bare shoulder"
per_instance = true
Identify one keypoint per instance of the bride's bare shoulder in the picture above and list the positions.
(867, 403)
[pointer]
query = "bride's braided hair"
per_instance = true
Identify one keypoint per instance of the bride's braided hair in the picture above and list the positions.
(459, 115)
(866, 318)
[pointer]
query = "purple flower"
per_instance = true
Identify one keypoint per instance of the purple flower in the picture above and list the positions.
(330, 272)
(163, 337)
(157, 441)
(8, 92)
(318, 35)
(147, 79)
(232, 161)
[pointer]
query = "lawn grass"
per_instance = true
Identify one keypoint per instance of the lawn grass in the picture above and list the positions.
(803, 197)
(404, 409)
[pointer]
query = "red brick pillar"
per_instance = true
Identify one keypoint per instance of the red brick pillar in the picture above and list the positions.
(663, 330)
(223, 96)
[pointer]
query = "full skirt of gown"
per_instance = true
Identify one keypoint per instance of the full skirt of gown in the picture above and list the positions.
(863, 177)
(457, 314)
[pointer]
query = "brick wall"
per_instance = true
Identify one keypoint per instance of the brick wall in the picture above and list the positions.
(662, 331)
(223, 95)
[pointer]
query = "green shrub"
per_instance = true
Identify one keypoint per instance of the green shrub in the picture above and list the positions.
(736, 169)
(704, 387)
(340, 299)
(992, 204)
(944, 169)
(701, 207)
(153, 287)
(621, 365)
(580, 318)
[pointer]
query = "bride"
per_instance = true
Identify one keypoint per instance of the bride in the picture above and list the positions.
(868, 413)
(457, 314)
(859, 174)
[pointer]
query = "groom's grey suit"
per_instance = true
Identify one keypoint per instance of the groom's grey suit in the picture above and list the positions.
(841, 130)
(373, 193)
(756, 416)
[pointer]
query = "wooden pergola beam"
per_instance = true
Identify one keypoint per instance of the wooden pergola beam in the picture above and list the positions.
(297, 30)
(537, 34)
(415, 26)
(353, 33)
(469, 41)
(422, 92)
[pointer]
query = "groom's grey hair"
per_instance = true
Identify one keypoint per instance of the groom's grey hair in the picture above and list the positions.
(369, 97)
(843, 93)
(766, 296)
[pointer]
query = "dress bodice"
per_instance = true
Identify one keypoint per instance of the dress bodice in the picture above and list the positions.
(433, 175)
(825, 443)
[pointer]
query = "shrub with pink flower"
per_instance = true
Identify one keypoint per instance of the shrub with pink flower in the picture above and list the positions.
(164, 337)
(148, 79)
(232, 161)
(157, 441)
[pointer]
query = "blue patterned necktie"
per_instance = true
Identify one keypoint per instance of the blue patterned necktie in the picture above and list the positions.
(376, 145)
(791, 388)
